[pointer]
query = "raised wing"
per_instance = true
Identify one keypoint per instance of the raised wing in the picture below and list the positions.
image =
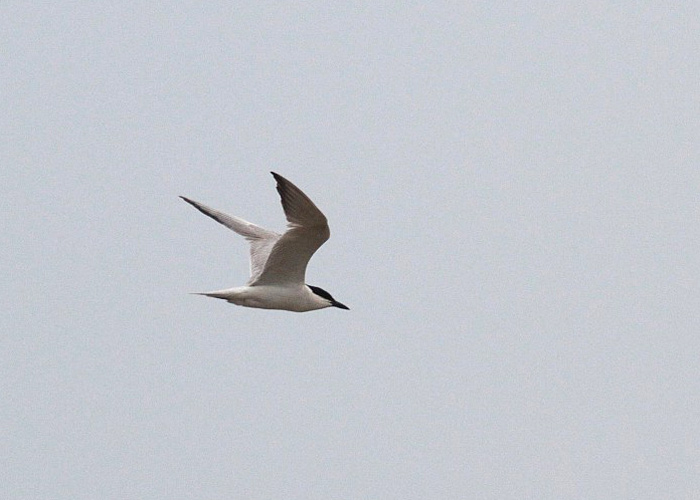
(307, 231)
(261, 240)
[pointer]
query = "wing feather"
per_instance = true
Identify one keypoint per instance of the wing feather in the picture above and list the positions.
(307, 231)
(261, 240)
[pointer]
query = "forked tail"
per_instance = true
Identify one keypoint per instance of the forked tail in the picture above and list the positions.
(221, 294)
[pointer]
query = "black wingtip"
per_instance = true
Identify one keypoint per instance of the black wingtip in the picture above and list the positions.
(282, 188)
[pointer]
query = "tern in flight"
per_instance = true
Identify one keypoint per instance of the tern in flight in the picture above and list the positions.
(278, 261)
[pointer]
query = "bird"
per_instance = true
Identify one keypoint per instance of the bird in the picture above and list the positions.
(278, 261)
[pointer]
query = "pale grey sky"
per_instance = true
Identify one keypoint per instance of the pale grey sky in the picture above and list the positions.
(513, 190)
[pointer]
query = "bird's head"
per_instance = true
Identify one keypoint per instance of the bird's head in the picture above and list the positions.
(327, 296)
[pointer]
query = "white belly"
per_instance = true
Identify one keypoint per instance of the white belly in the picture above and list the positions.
(292, 298)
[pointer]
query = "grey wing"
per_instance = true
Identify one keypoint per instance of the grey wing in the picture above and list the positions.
(260, 250)
(261, 240)
(308, 230)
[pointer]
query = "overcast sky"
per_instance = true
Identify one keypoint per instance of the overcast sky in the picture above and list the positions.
(513, 190)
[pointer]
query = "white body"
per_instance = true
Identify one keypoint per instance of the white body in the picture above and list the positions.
(289, 297)
(278, 261)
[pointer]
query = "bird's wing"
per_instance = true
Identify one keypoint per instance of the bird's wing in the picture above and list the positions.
(261, 240)
(307, 231)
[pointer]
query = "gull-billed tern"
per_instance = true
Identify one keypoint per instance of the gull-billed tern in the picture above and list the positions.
(278, 262)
